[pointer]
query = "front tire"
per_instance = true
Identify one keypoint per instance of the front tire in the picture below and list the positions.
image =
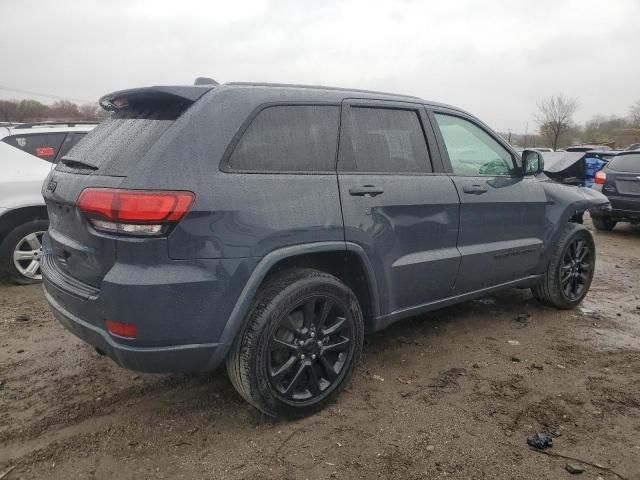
(603, 223)
(300, 344)
(570, 270)
(21, 250)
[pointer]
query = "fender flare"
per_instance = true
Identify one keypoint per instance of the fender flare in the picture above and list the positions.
(236, 319)
(578, 207)
(9, 215)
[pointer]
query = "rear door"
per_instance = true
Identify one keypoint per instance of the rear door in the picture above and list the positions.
(502, 213)
(397, 203)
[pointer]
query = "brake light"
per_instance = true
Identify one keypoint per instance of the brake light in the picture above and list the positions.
(45, 152)
(134, 212)
(125, 330)
(600, 177)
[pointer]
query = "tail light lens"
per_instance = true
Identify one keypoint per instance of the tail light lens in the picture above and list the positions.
(600, 177)
(134, 212)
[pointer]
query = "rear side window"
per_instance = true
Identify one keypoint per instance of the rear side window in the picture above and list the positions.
(472, 151)
(289, 138)
(626, 163)
(384, 140)
(41, 145)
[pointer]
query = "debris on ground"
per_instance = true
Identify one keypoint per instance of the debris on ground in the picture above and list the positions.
(486, 301)
(537, 366)
(513, 342)
(405, 380)
(540, 440)
(573, 468)
(23, 318)
(515, 359)
(7, 472)
(377, 378)
(523, 317)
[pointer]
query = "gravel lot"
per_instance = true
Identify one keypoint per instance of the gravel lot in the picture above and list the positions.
(450, 394)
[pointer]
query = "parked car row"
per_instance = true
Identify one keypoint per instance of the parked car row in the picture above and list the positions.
(28, 152)
(619, 180)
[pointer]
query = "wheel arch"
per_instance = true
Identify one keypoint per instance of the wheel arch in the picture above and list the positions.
(18, 216)
(345, 260)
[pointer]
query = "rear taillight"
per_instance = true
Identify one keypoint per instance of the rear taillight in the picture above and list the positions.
(134, 212)
(600, 177)
(45, 152)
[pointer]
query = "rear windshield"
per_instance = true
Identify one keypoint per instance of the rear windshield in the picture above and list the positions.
(626, 163)
(121, 139)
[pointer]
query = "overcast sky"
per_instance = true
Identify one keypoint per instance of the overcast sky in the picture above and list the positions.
(493, 58)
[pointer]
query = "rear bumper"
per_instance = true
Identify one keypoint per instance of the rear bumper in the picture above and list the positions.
(180, 309)
(174, 358)
(620, 208)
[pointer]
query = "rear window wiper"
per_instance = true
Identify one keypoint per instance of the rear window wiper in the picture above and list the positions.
(75, 163)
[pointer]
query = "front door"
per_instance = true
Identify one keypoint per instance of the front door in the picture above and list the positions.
(395, 204)
(502, 213)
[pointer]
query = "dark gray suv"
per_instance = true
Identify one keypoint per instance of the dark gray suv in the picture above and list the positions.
(271, 226)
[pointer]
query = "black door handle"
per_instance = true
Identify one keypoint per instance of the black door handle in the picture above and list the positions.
(365, 191)
(475, 189)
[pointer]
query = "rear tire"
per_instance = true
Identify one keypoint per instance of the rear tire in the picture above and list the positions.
(570, 270)
(23, 244)
(603, 223)
(300, 344)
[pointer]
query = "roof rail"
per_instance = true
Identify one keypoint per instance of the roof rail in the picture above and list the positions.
(55, 124)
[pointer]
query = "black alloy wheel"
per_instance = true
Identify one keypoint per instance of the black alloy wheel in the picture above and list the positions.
(576, 269)
(309, 349)
(300, 343)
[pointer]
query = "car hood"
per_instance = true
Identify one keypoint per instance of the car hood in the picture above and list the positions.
(582, 198)
(555, 162)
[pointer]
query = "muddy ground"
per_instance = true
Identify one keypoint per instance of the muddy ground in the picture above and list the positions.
(450, 394)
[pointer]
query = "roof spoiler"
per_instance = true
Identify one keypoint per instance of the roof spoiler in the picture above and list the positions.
(123, 99)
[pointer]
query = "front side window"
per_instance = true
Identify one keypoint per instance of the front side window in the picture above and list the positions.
(472, 151)
(289, 138)
(41, 145)
(384, 140)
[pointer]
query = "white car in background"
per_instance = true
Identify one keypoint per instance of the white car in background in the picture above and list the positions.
(28, 152)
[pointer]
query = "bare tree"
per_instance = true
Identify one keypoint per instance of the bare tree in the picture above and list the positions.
(91, 111)
(554, 116)
(634, 111)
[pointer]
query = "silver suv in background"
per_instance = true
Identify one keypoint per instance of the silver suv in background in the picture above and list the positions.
(27, 155)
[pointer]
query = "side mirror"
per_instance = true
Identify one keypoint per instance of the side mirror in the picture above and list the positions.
(532, 162)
